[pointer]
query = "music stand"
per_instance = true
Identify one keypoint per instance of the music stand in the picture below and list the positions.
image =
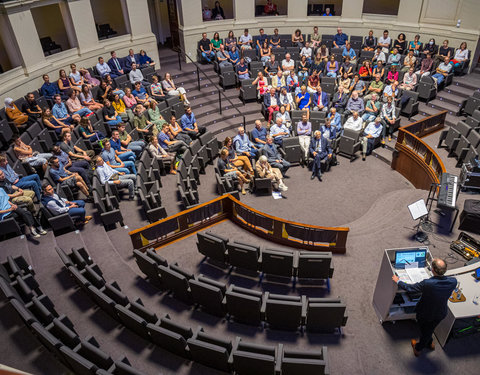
(418, 210)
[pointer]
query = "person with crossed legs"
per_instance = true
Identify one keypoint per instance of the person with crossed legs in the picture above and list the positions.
(57, 205)
(108, 175)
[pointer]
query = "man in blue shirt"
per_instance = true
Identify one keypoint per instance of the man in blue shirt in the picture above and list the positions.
(261, 39)
(335, 120)
(62, 176)
(189, 125)
(59, 110)
(49, 90)
(349, 51)
(371, 132)
(274, 157)
(30, 182)
(278, 131)
(111, 158)
(340, 38)
(123, 153)
(171, 145)
(243, 145)
(259, 134)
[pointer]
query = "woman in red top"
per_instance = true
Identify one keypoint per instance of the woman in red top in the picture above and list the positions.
(365, 70)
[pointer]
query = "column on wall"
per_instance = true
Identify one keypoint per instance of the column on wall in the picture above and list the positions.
(409, 12)
(190, 12)
(9, 42)
(297, 9)
(138, 18)
(245, 10)
(28, 42)
(352, 9)
(80, 24)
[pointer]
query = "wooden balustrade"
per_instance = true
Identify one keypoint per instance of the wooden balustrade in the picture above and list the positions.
(415, 159)
(275, 229)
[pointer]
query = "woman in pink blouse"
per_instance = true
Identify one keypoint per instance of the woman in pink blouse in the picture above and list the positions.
(129, 99)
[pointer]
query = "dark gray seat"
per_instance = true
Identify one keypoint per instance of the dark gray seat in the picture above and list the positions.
(314, 265)
(244, 305)
(209, 295)
(168, 340)
(212, 247)
(243, 256)
(176, 283)
(306, 363)
(325, 314)
(254, 359)
(79, 365)
(148, 266)
(211, 351)
(285, 312)
(132, 321)
(278, 262)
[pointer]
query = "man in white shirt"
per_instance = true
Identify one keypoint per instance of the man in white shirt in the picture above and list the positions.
(288, 64)
(136, 75)
(57, 205)
(371, 132)
(354, 122)
(442, 71)
(103, 68)
(307, 51)
(245, 40)
(108, 175)
(384, 41)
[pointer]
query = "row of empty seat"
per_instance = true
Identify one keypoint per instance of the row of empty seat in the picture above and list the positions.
(244, 305)
(56, 332)
(223, 354)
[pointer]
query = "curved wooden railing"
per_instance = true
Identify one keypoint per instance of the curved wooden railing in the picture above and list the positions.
(275, 229)
(413, 158)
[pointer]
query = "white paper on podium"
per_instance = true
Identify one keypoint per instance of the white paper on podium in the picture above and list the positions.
(418, 209)
(416, 274)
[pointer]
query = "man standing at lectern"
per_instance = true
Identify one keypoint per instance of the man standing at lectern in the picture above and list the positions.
(432, 307)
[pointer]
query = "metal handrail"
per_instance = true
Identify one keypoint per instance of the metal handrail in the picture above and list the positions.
(221, 92)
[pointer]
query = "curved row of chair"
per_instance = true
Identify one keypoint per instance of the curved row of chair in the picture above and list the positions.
(277, 262)
(230, 356)
(56, 332)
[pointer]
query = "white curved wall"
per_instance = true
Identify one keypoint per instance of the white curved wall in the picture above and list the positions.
(19, 32)
(429, 18)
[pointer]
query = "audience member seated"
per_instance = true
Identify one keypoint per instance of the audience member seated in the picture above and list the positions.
(270, 101)
(156, 117)
(136, 75)
(415, 45)
(176, 131)
(30, 182)
(49, 89)
(15, 115)
(370, 133)
(265, 52)
(189, 125)
(365, 70)
(145, 60)
(141, 94)
(223, 57)
(354, 104)
(292, 83)
(346, 67)
(304, 131)
(394, 58)
(140, 122)
(339, 100)
(379, 69)
(461, 55)
(124, 153)
(400, 43)
(430, 47)
(335, 120)
(156, 89)
(345, 81)
(329, 132)
(129, 100)
(378, 56)
(242, 70)
(349, 52)
(234, 56)
(318, 63)
(230, 41)
(319, 150)
(265, 170)
(272, 66)
(76, 78)
(278, 131)
(31, 108)
(103, 68)
(320, 100)
(206, 13)
(384, 41)
(409, 80)
(127, 141)
(278, 82)
(270, 9)
(80, 166)
(275, 40)
(16, 195)
(104, 91)
(108, 175)
(426, 66)
(315, 38)
(327, 13)
(125, 113)
(86, 99)
(243, 145)
(216, 42)
(239, 161)
(409, 61)
(57, 205)
(245, 41)
(157, 152)
(228, 170)
(62, 176)
(261, 39)
(111, 158)
(60, 112)
(442, 71)
(74, 151)
(25, 154)
(286, 99)
(354, 122)
(11, 210)
(114, 90)
(372, 109)
(50, 122)
(284, 116)
(110, 115)
(87, 77)
(172, 90)
(206, 48)
(369, 42)
(297, 39)
(87, 132)
(304, 68)
(129, 60)
(75, 107)
(340, 38)
(259, 134)
(332, 67)
(274, 156)
(304, 100)
(171, 145)
(288, 64)
(358, 85)
(390, 91)
(116, 65)
(64, 83)
(387, 119)
(375, 87)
